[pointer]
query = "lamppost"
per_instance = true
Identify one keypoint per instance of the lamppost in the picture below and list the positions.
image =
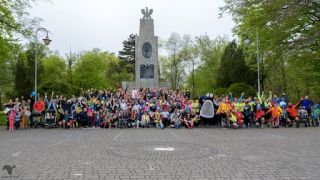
(247, 43)
(46, 41)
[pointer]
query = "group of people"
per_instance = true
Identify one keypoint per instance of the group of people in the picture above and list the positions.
(160, 108)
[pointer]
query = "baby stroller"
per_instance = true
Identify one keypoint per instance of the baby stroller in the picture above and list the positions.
(123, 119)
(36, 119)
(50, 119)
(304, 117)
(315, 115)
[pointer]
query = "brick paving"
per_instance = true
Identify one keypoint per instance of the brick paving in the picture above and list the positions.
(192, 154)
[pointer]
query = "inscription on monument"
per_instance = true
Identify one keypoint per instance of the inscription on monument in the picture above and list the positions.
(147, 71)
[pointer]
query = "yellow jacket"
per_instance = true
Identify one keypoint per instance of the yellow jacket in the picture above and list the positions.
(223, 108)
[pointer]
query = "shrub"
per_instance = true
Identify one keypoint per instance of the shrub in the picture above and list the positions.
(237, 88)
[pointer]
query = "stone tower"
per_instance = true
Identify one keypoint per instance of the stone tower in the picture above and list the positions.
(146, 66)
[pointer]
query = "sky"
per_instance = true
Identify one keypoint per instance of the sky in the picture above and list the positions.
(81, 25)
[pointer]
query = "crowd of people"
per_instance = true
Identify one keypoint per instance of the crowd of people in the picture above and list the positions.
(145, 108)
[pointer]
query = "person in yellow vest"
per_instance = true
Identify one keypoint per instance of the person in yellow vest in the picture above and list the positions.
(145, 119)
(158, 119)
(224, 112)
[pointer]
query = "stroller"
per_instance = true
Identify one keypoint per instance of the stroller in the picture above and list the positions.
(304, 117)
(315, 115)
(123, 119)
(50, 119)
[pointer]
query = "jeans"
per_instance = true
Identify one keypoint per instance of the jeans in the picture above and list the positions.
(159, 124)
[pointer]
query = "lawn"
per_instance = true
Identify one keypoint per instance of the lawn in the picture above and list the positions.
(3, 120)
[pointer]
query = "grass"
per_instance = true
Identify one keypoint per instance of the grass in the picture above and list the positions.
(3, 121)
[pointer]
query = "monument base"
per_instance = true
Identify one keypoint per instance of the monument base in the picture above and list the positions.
(132, 84)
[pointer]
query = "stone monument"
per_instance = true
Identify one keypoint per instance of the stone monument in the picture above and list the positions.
(146, 56)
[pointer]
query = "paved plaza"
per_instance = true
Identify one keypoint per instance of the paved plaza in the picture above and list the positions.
(161, 154)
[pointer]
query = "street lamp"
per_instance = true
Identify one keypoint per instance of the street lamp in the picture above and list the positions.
(46, 41)
(247, 43)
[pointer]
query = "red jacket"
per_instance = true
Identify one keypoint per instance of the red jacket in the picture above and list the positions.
(239, 115)
(259, 114)
(39, 106)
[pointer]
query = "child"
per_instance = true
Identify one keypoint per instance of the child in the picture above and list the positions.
(98, 119)
(66, 119)
(11, 119)
(275, 114)
(175, 119)
(145, 119)
(157, 119)
(239, 117)
(24, 118)
(188, 121)
(17, 117)
(259, 119)
(233, 119)
(90, 116)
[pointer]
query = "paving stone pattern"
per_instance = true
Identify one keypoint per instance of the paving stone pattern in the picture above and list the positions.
(130, 154)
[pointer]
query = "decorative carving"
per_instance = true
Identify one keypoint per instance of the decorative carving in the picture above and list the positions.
(147, 13)
(146, 50)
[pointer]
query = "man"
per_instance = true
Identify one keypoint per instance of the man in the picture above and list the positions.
(83, 118)
(307, 104)
(38, 109)
(293, 114)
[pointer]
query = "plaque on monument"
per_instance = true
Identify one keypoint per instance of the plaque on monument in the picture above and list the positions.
(146, 49)
(147, 71)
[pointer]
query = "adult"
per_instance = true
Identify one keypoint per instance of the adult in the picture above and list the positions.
(293, 115)
(307, 104)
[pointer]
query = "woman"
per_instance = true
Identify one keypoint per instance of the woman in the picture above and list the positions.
(188, 121)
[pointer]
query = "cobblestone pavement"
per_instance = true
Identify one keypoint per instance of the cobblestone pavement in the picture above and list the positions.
(161, 154)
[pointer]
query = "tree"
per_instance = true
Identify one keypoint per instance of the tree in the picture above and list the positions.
(233, 67)
(25, 70)
(209, 53)
(289, 41)
(14, 22)
(180, 52)
(97, 69)
(127, 55)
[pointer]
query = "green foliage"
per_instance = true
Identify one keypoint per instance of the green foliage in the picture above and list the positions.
(181, 51)
(289, 42)
(237, 88)
(14, 21)
(24, 71)
(209, 54)
(54, 69)
(220, 91)
(127, 55)
(3, 119)
(233, 68)
(59, 88)
(96, 69)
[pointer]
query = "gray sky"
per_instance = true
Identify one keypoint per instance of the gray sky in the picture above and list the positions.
(85, 24)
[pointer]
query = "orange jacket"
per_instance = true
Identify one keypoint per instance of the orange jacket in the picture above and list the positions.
(275, 111)
(223, 108)
(293, 111)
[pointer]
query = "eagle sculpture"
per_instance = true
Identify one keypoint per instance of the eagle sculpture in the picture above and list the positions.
(147, 13)
(8, 168)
